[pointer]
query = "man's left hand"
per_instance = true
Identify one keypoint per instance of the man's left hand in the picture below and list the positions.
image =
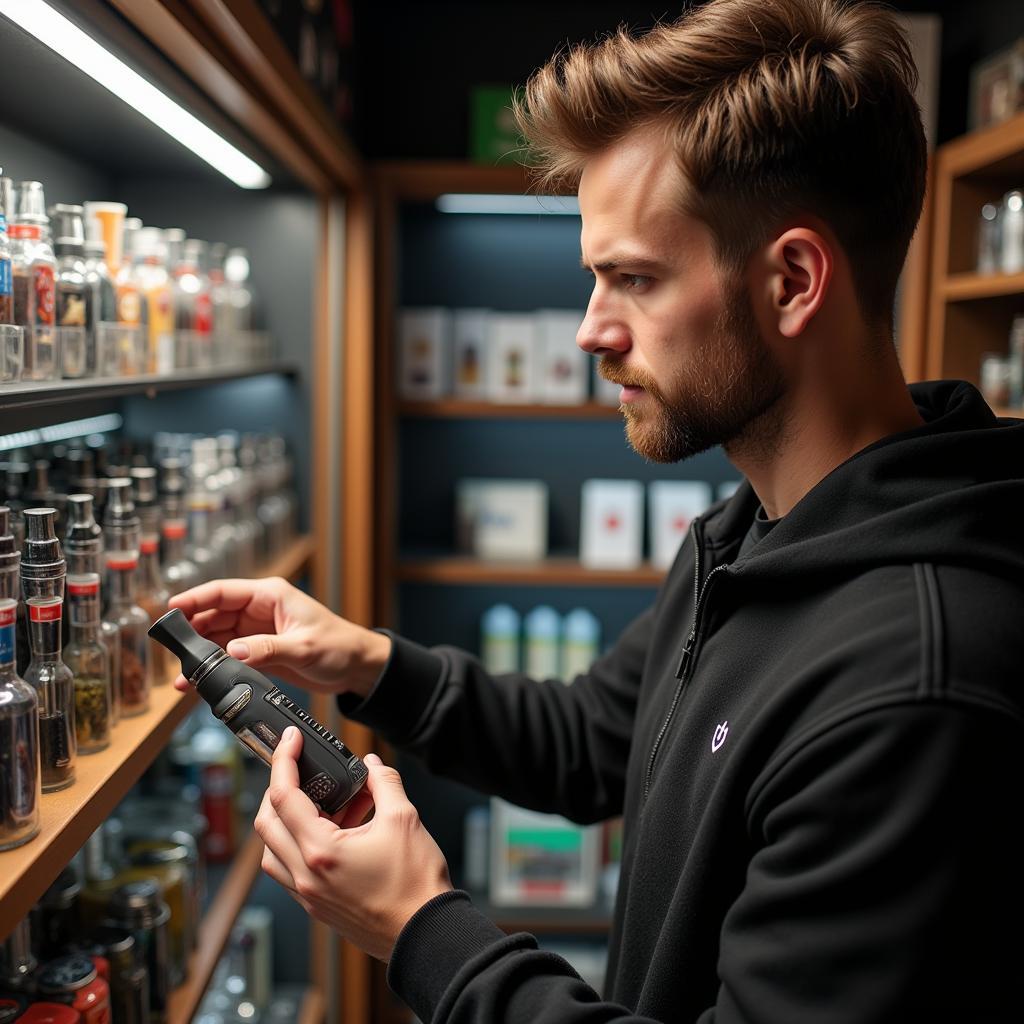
(364, 880)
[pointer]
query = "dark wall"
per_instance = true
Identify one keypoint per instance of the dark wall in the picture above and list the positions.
(416, 63)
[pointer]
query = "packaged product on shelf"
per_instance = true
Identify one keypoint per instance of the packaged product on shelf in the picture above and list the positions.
(220, 301)
(150, 255)
(277, 508)
(996, 379)
(75, 981)
(503, 519)
(18, 961)
(153, 594)
(1011, 229)
(542, 627)
(253, 937)
(129, 979)
(132, 308)
(100, 280)
(239, 303)
(470, 329)
(193, 307)
(217, 767)
(42, 581)
(204, 506)
(137, 907)
(513, 366)
(243, 529)
(989, 243)
(6, 297)
(564, 366)
(20, 779)
(121, 535)
(180, 572)
(611, 527)
(86, 654)
(672, 506)
(581, 644)
(250, 494)
(424, 357)
(12, 343)
(75, 313)
(499, 639)
(33, 271)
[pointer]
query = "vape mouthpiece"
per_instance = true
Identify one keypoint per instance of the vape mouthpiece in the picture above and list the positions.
(120, 509)
(144, 479)
(174, 632)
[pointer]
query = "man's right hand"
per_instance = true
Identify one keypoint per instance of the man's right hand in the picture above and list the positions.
(275, 627)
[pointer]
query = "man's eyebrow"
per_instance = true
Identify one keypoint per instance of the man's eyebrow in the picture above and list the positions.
(623, 260)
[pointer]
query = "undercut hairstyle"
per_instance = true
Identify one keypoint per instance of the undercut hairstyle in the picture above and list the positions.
(772, 108)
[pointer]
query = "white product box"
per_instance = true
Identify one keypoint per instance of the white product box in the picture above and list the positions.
(605, 391)
(502, 519)
(672, 506)
(512, 359)
(424, 356)
(563, 364)
(728, 489)
(611, 526)
(470, 329)
(542, 859)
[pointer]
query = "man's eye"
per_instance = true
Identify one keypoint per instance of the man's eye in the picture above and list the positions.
(635, 282)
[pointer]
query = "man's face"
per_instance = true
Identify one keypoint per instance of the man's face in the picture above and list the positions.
(681, 339)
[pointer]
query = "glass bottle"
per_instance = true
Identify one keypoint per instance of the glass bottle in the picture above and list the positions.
(220, 303)
(18, 962)
(6, 297)
(74, 296)
(193, 307)
(153, 594)
(33, 270)
(236, 272)
(235, 533)
(99, 280)
(121, 532)
(180, 572)
(19, 713)
(151, 274)
(42, 582)
(86, 654)
(203, 509)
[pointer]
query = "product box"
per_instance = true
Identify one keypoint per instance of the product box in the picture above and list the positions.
(513, 363)
(672, 506)
(424, 353)
(611, 524)
(542, 859)
(502, 519)
(564, 366)
(605, 391)
(470, 349)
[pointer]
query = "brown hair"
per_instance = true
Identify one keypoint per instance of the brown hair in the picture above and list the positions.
(773, 107)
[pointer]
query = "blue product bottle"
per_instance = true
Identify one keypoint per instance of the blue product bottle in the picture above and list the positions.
(542, 630)
(582, 634)
(499, 636)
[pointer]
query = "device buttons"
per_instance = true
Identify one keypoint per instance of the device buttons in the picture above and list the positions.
(319, 787)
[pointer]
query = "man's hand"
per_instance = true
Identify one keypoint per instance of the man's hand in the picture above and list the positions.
(363, 880)
(275, 627)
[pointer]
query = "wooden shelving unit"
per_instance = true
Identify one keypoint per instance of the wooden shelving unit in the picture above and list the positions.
(549, 572)
(69, 817)
(970, 314)
(313, 1009)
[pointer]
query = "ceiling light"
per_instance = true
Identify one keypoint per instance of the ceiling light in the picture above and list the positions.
(457, 202)
(75, 46)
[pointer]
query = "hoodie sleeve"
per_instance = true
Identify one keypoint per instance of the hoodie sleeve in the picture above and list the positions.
(537, 743)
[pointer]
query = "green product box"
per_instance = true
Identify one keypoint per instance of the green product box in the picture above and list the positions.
(494, 138)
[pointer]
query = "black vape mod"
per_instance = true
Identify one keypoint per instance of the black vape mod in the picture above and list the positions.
(258, 713)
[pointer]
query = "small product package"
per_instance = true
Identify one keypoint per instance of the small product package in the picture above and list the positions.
(513, 363)
(611, 527)
(469, 340)
(672, 506)
(502, 519)
(424, 358)
(564, 365)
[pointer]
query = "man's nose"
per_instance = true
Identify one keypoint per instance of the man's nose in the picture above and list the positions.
(600, 334)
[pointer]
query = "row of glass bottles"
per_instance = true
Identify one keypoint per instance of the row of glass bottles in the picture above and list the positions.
(96, 293)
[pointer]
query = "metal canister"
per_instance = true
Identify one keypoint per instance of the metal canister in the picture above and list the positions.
(57, 913)
(74, 980)
(138, 907)
(129, 979)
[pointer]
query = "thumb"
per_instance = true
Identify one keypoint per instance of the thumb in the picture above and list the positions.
(262, 649)
(384, 784)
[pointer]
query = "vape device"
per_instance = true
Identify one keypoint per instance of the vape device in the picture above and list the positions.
(258, 713)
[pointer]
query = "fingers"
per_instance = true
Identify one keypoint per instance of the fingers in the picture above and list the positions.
(263, 649)
(297, 812)
(226, 595)
(181, 683)
(354, 813)
(385, 786)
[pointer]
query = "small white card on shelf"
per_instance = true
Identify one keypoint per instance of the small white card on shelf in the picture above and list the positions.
(469, 340)
(673, 505)
(611, 526)
(605, 391)
(512, 363)
(424, 358)
(504, 520)
(564, 365)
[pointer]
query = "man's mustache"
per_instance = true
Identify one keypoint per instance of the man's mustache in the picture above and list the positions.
(615, 373)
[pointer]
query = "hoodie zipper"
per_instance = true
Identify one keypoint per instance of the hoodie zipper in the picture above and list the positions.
(686, 656)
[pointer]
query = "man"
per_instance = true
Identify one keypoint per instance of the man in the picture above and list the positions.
(813, 732)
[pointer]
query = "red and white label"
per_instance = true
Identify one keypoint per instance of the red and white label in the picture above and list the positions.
(83, 589)
(45, 612)
(176, 530)
(8, 615)
(122, 564)
(150, 546)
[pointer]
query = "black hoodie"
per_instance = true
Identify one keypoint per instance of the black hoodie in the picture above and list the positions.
(818, 762)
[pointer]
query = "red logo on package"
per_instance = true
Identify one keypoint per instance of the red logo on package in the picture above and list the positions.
(83, 589)
(45, 612)
(122, 565)
(217, 788)
(8, 616)
(149, 547)
(175, 530)
(45, 293)
(203, 314)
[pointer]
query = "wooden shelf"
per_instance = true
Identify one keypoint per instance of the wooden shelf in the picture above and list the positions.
(313, 1009)
(215, 930)
(425, 180)
(964, 287)
(550, 572)
(456, 409)
(69, 817)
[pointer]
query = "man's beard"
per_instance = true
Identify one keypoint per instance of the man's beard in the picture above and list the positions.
(730, 381)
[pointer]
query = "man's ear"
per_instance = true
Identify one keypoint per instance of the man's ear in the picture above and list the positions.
(799, 266)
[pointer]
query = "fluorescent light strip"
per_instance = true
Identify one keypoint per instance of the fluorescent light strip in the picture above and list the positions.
(75, 46)
(61, 432)
(458, 202)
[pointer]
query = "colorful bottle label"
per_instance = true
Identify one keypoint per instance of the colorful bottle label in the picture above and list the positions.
(45, 294)
(129, 305)
(116, 564)
(175, 529)
(149, 545)
(5, 277)
(8, 619)
(203, 323)
(48, 611)
(161, 329)
(73, 304)
(84, 599)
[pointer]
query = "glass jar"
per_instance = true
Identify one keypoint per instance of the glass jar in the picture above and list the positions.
(129, 980)
(152, 592)
(75, 980)
(57, 914)
(138, 907)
